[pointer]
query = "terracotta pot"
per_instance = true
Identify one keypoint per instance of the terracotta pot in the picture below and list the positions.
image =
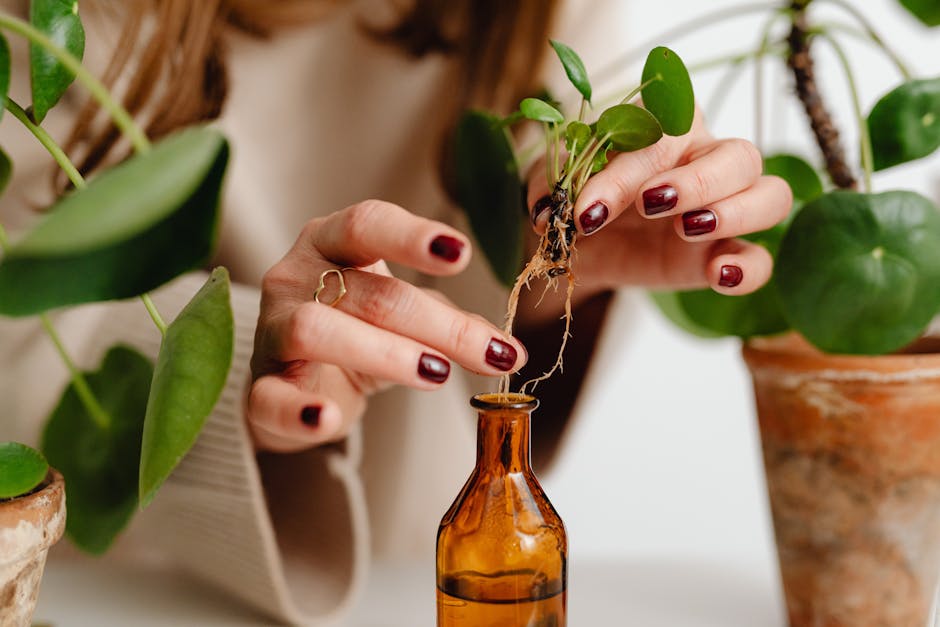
(852, 454)
(29, 525)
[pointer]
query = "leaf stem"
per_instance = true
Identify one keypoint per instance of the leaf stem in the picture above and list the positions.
(636, 90)
(685, 28)
(48, 143)
(87, 397)
(99, 92)
(154, 314)
(874, 37)
(864, 137)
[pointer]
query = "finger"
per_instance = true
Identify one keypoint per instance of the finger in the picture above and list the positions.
(284, 418)
(364, 233)
(609, 192)
(738, 267)
(408, 311)
(755, 209)
(318, 333)
(729, 167)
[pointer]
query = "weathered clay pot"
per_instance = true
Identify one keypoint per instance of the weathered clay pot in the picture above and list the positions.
(29, 525)
(852, 454)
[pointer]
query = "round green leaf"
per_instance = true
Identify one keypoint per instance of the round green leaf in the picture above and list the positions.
(4, 73)
(490, 192)
(799, 175)
(574, 68)
(191, 369)
(100, 462)
(58, 20)
(668, 303)
(540, 111)
(858, 273)
(670, 98)
(927, 11)
(21, 469)
(758, 313)
(132, 229)
(577, 135)
(628, 127)
(905, 124)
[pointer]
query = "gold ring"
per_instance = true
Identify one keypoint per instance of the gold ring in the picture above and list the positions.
(342, 286)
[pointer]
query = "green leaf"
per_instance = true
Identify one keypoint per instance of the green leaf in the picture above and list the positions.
(748, 315)
(802, 178)
(927, 11)
(599, 161)
(59, 20)
(858, 273)
(628, 127)
(100, 463)
(577, 135)
(670, 306)
(540, 111)
(574, 68)
(905, 124)
(6, 170)
(132, 229)
(192, 366)
(489, 190)
(4, 74)
(671, 98)
(21, 469)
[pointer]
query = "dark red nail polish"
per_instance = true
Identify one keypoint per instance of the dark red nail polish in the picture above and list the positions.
(699, 222)
(659, 199)
(433, 368)
(541, 205)
(501, 355)
(446, 247)
(310, 416)
(731, 276)
(594, 217)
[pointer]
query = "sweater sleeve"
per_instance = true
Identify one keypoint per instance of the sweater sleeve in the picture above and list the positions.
(294, 545)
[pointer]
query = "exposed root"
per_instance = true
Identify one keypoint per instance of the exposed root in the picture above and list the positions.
(552, 259)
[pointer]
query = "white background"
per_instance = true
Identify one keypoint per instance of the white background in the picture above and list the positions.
(667, 459)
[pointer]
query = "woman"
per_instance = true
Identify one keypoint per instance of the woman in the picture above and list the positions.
(320, 452)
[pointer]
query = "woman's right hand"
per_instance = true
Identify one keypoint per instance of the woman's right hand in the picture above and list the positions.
(314, 366)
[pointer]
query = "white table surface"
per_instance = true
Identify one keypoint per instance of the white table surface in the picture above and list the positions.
(640, 592)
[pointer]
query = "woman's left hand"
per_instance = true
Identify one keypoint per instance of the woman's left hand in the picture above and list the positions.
(667, 216)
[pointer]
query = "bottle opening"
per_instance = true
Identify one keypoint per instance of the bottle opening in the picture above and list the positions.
(494, 401)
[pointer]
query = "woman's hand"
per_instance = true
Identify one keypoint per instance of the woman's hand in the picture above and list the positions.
(667, 216)
(314, 365)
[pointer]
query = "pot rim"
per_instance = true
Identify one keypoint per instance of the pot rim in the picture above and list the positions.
(791, 352)
(44, 506)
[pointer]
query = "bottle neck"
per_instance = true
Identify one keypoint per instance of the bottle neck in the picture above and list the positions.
(503, 441)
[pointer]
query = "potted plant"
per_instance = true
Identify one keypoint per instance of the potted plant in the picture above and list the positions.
(118, 431)
(32, 519)
(847, 388)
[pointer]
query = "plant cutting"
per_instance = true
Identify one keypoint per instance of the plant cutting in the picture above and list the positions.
(117, 431)
(32, 519)
(847, 400)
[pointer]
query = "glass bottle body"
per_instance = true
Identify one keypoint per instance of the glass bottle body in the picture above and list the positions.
(501, 548)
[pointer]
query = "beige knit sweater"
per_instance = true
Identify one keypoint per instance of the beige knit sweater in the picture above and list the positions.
(319, 118)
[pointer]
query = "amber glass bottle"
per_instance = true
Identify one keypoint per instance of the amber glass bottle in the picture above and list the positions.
(502, 551)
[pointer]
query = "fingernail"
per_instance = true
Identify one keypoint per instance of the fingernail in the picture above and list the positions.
(501, 355)
(594, 217)
(731, 276)
(541, 207)
(433, 368)
(699, 222)
(446, 247)
(310, 416)
(659, 199)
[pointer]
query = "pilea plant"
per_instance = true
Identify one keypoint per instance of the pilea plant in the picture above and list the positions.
(488, 181)
(118, 431)
(855, 271)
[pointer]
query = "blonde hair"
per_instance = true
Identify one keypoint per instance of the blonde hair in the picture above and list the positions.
(169, 61)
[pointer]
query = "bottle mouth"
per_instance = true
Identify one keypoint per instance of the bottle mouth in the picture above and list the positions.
(493, 401)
